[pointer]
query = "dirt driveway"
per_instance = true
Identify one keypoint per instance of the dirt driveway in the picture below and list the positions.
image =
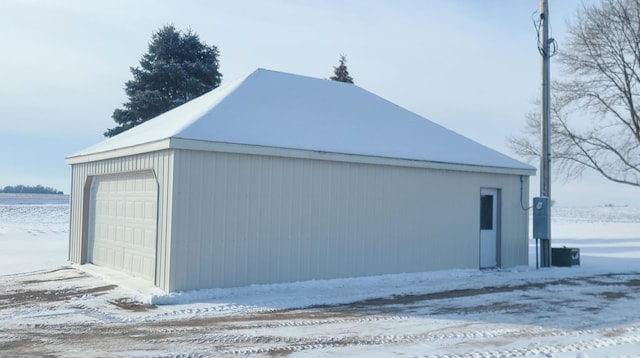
(67, 312)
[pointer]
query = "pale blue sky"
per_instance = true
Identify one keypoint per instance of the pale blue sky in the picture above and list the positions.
(471, 66)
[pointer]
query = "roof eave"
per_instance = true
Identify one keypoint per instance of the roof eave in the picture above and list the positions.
(119, 152)
(190, 144)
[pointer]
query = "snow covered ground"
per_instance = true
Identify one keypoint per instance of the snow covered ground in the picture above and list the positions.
(34, 232)
(585, 311)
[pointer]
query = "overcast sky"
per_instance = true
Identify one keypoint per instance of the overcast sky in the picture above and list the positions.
(471, 66)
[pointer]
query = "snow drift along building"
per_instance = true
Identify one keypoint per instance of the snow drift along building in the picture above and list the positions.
(279, 177)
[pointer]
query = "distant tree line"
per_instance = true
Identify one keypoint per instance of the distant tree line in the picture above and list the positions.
(26, 189)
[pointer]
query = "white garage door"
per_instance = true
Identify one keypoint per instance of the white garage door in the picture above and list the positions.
(122, 223)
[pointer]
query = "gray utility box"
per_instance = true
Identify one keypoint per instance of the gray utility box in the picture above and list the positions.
(565, 256)
(541, 218)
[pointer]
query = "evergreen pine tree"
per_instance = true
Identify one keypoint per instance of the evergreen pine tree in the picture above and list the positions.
(177, 68)
(340, 73)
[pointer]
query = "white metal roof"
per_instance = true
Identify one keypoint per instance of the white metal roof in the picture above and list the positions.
(278, 110)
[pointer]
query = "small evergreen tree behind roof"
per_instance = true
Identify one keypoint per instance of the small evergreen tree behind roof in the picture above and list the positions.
(341, 73)
(177, 68)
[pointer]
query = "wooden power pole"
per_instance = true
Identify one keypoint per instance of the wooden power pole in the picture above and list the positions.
(545, 140)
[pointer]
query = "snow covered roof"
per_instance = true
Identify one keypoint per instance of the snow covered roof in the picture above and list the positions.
(272, 109)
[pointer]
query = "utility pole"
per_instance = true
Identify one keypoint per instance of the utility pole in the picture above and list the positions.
(545, 140)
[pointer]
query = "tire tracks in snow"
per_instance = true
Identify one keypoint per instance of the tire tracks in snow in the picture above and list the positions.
(551, 349)
(630, 335)
(239, 343)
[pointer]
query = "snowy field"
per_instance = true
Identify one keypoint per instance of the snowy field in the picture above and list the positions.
(49, 308)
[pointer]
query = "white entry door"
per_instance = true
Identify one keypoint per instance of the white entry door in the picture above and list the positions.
(488, 228)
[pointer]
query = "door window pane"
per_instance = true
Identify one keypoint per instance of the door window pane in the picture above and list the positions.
(486, 212)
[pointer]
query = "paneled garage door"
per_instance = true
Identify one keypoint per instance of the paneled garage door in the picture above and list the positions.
(122, 223)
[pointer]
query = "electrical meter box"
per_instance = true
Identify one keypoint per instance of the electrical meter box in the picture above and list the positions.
(541, 218)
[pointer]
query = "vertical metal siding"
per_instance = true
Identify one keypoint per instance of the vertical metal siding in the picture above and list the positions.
(232, 219)
(162, 165)
(244, 219)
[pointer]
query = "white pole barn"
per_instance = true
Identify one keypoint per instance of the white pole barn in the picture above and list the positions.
(279, 177)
